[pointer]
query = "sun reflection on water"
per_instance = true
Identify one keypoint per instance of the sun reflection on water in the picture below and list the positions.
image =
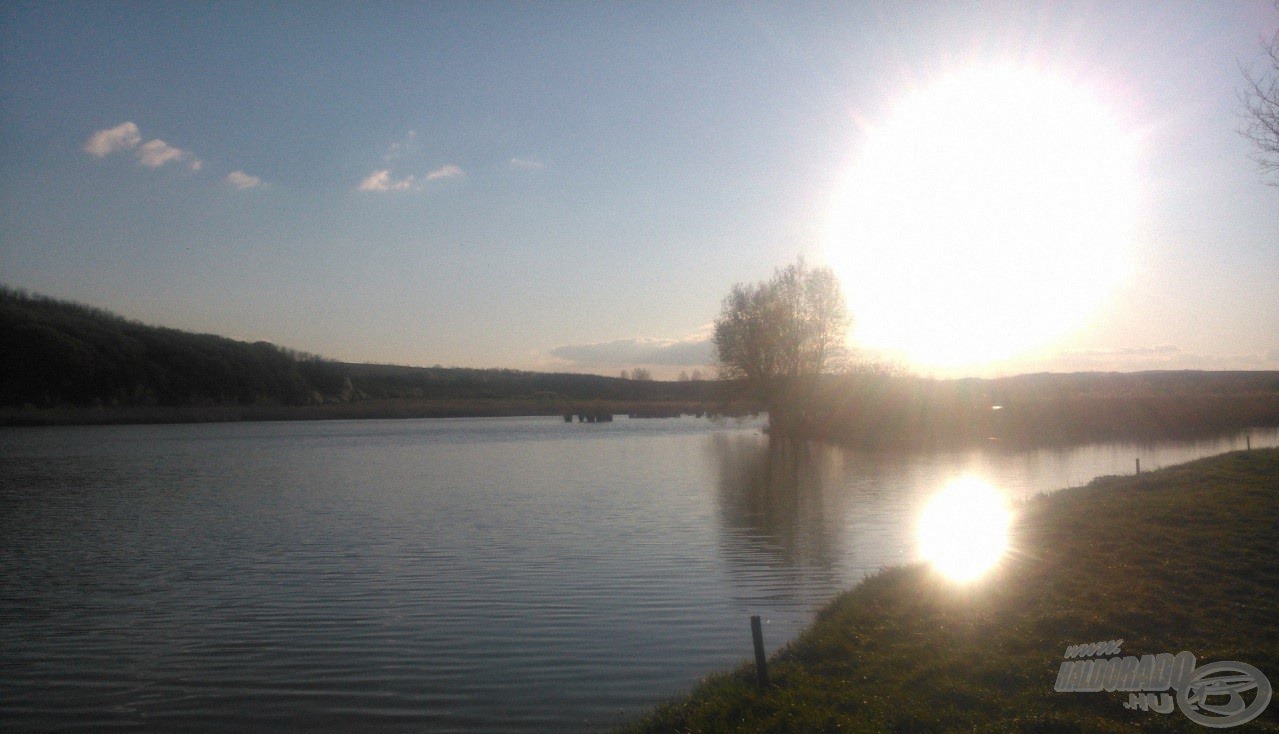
(963, 530)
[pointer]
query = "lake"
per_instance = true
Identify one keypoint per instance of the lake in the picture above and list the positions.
(514, 574)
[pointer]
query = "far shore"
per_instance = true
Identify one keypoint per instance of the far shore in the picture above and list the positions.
(905, 426)
(354, 410)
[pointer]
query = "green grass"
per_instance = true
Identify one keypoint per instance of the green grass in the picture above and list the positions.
(1186, 558)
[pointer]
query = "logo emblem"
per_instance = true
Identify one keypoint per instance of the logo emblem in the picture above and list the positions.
(1217, 695)
(1212, 695)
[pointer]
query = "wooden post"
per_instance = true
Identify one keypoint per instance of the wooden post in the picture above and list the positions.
(761, 660)
(1138, 466)
(1248, 438)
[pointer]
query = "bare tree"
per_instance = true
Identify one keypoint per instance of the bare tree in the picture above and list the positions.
(776, 337)
(1260, 98)
(641, 373)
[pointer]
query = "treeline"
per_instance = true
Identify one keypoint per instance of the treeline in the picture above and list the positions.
(57, 354)
(459, 383)
(905, 411)
(65, 362)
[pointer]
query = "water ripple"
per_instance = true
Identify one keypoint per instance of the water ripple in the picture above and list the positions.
(499, 575)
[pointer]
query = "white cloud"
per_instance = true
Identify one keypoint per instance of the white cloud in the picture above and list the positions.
(696, 350)
(382, 181)
(124, 136)
(152, 154)
(242, 180)
(446, 171)
(156, 153)
(528, 164)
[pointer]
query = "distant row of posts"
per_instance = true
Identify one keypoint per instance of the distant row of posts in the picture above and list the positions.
(1247, 442)
(589, 417)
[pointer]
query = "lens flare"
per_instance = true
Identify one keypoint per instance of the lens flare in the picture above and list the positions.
(963, 531)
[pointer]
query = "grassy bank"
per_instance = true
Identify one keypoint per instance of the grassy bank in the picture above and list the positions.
(1186, 558)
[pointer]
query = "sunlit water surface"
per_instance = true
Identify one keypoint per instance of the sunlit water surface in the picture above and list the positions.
(440, 575)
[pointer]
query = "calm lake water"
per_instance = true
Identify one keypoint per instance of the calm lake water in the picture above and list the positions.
(439, 575)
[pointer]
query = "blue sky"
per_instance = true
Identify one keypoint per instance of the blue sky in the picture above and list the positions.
(575, 186)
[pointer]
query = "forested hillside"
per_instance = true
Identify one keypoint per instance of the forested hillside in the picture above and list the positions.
(60, 354)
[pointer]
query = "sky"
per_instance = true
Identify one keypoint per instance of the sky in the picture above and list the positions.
(576, 186)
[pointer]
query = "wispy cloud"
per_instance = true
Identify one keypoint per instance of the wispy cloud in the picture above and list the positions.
(387, 179)
(124, 136)
(691, 351)
(382, 181)
(156, 153)
(446, 171)
(242, 180)
(527, 164)
(401, 148)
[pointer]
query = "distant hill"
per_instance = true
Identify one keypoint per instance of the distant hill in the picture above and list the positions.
(390, 381)
(61, 354)
(58, 353)
(55, 354)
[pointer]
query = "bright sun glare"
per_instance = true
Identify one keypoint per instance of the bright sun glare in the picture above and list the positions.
(986, 217)
(963, 530)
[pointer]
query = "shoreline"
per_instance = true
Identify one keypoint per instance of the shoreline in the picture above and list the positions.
(1181, 558)
(389, 408)
(1040, 433)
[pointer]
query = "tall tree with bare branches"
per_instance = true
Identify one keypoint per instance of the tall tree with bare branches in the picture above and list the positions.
(1260, 97)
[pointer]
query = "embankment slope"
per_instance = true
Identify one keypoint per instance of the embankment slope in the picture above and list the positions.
(1185, 558)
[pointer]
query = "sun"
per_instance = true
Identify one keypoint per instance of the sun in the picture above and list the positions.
(988, 215)
(963, 530)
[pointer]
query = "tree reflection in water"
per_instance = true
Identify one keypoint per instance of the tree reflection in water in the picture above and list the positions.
(780, 532)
